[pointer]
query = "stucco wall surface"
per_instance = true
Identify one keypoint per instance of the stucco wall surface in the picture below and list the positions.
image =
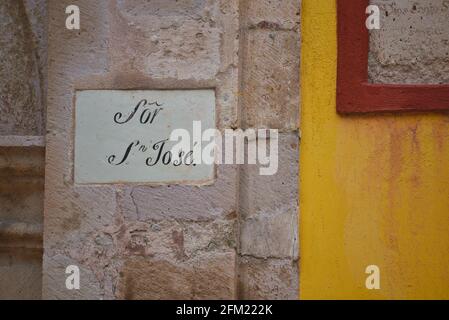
(374, 188)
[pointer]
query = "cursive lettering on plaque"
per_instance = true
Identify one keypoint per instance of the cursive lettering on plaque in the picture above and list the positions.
(149, 112)
(146, 116)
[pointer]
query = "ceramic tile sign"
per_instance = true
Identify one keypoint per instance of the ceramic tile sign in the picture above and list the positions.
(123, 136)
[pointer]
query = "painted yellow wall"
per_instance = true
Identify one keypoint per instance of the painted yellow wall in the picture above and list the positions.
(374, 189)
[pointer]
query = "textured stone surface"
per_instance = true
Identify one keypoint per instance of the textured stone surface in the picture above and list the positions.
(195, 41)
(113, 230)
(209, 276)
(270, 77)
(270, 85)
(412, 45)
(22, 104)
(269, 227)
(107, 250)
(143, 241)
(261, 194)
(194, 203)
(22, 141)
(22, 69)
(89, 281)
(21, 212)
(20, 274)
(161, 38)
(37, 13)
(268, 279)
(269, 205)
(134, 45)
(282, 14)
(270, 235)
(21, 184)
(72, 214)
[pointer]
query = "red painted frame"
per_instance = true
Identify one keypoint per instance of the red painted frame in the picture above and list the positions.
(354, 93)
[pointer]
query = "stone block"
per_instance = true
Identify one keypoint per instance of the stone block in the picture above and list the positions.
(268, 279)
(210, 276)
(279, 14)
(20, 274)
(269, 205)
(54, 280)
(271, 79)
(21, 97)
(279, 192)
(274, 234)
(166, 239)
(189, 203)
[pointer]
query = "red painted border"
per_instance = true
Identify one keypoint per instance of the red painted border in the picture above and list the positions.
(354, 93)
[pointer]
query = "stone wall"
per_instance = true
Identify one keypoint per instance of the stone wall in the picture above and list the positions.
(268, 205)
(234, 239)
(238, 236)
(22, 126)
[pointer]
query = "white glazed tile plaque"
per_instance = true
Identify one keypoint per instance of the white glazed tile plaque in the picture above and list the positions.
(122, 136)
